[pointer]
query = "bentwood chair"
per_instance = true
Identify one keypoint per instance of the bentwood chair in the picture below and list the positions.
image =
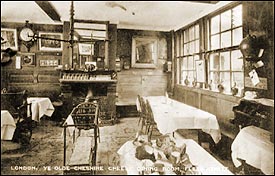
(85, 117)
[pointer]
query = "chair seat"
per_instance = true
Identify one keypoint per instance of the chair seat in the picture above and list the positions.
(82, 152)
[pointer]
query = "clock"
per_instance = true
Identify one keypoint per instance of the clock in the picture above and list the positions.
(26, 34)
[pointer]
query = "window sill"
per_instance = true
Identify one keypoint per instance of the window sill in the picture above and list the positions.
(212, 93)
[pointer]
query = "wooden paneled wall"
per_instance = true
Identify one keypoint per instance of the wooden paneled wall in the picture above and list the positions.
(134, 81)
(212, 102)
(36, 79)
(258, 20)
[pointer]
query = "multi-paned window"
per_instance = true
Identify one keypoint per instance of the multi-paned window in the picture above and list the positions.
(225, 61)
(189, 52)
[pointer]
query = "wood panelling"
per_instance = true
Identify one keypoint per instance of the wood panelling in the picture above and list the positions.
(209, 104)
(37, 80)
(192, 99)
(145, 82)
(218, 104)
(259, 21)
(48, 77)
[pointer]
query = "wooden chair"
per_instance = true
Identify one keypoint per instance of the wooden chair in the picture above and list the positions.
(150, 122)
(85, 117)
(142, 114)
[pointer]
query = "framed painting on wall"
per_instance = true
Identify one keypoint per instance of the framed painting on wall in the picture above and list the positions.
(200, 71)
(46, 44)
(86, 49)
(9, 39)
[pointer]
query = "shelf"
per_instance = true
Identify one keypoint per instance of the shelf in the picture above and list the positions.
(86, 81)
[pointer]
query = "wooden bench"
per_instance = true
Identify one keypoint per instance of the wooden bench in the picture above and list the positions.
(84, 154)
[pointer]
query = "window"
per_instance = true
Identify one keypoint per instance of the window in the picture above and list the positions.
(225, 61)
(188, 45)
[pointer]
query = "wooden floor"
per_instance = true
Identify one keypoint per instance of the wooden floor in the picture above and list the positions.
(46, 149)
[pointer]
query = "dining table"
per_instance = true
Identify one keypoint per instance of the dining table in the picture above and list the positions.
(40, 106)
(205, 163)
(8, 125)
(171, 115)
(253, 146)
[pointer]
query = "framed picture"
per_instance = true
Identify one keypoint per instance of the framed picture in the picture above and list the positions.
(200, 71)
(48, 63)
(28, 59)
(86, 49)
(48, 44)
(9, 38)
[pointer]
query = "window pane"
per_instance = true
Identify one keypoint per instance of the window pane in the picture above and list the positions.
(191, 33)
(238, 78)
(197, 32)
(237, 16)
(225, 81)
(215, 41)
(191, 47)
(190, 63)
(214, 62)
(186, 36)
(183, 76)
(186, 49)
(215, 24)
(184, 63)
(181, 44)
(196, 57)
(226, 39)
(197, 46)
(237, 36)
(214, 78)
(191, 76)
(225, 61)
(226, 20)
(236, 60)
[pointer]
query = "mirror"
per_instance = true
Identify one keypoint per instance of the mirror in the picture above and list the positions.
(92, 41)
(144, 52)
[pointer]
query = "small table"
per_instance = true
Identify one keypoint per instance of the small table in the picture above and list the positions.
(253, 145)
(7, 125)
(205, 162)
(40, 106)
(171, 115)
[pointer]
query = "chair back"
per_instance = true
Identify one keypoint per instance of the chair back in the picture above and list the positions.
(142, 104)
(85, 115)
(150, 114)
(12, 101)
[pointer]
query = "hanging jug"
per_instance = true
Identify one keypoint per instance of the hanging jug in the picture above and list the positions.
(249, 48)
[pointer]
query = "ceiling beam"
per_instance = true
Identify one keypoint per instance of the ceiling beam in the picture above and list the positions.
(207, 2)
(49, 9)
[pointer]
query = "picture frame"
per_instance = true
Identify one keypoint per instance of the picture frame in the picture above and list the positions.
(9, 37)
(86, 49)
(50, 45)
(200, 71)
(48, 63)
(28, 59)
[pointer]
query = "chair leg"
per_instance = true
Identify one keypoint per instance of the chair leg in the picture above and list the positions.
(98, 134)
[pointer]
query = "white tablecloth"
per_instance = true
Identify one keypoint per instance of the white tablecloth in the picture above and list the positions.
(171, 115)
(253, 145)
(70, 121)
(40, 106)
(7, 125)
(205, 162)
